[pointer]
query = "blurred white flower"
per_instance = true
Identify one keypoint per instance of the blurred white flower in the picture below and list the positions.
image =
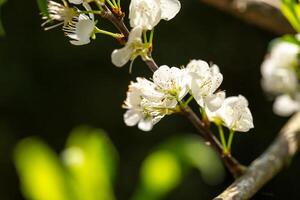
(148, 13)
(278, 70)
(171, 81)
(284, 54)
(278, 80)
(81, 30)
(133, 48)
(234, 113)
(285, 105)
(204, 82)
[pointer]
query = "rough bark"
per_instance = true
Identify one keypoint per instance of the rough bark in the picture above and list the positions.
(263, 13)
(265, 167)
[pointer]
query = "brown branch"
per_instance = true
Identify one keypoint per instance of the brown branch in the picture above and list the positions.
(265, 167)
(263, 13)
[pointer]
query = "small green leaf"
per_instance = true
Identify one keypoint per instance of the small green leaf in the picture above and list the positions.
(92, 160)
(41, 174)
(163, 170)
(290, 9)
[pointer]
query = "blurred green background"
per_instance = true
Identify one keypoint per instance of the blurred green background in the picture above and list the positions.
(48, 87)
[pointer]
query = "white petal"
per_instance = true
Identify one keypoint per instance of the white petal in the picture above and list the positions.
(144, 13)
(145, 124)
(84, 28)
(77, 2)
(135, 34)
(169, 8)
(161, 76)
(131, 117)
(284, 105)
(80, 42)
(215, 101)
(245, 123)
(217, 78)
(120, 57)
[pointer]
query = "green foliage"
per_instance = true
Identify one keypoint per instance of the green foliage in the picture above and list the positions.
(43, 6)
(41, 173)
(164, 169)
(85, 172)
(291, 10)
(87, 167)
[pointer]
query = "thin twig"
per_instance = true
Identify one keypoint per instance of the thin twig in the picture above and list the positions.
(265, 167)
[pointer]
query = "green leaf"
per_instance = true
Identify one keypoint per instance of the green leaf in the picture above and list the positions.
(41, 174)
(163, 170)
(43, 6)
(290, 9)
(92, 160)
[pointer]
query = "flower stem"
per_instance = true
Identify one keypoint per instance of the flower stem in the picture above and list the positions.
(231, 134)
(114, 35)
(151, 36)
(223, 140)
(145, 37)
(188, 101)
(89, 11)
(111, 4)
(115, 3)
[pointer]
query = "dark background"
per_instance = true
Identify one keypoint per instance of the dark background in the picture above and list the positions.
(48, 87)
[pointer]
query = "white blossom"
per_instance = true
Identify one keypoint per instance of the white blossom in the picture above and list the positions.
(145, 105)
(81, 30)
(148, 13)
(278, 70)
(133, 48)
(234, 113)
(171, 81)
(204, 82)
(285, 105)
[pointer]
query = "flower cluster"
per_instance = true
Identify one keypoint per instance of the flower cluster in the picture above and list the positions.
(280, 76)
(149, 101)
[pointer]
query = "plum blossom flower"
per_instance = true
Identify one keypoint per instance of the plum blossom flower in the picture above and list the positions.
(148, 13)
(81, 30)
(145, 105)
(278, 70)
(148, 102)
(59, 12)
(234, 114)
(204, 82)
(133, 48)
(285, 105)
